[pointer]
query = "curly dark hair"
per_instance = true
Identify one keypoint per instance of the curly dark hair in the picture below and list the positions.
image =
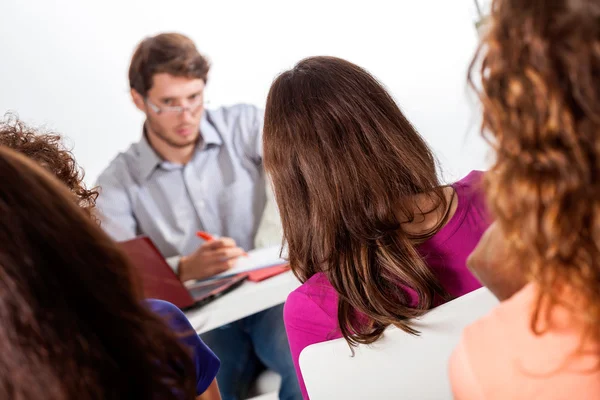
(47, 149)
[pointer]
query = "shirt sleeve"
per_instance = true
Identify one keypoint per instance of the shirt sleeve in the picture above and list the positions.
(174, 263)
(462, 379)
(306, 323)
(252, 119)
(205, 361)
(270, 231)
(114, 206)
(259, 122)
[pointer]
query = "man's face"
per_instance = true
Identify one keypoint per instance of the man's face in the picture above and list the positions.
(163, 104)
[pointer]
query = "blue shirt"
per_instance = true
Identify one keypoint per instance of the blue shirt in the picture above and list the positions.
(205, 361)
(220, 191)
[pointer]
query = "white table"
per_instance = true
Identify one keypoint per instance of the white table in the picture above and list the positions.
(248, 299)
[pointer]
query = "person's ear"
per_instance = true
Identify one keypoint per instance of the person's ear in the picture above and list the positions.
(138, 100)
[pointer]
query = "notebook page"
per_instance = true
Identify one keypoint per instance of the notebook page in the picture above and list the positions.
(258, 258)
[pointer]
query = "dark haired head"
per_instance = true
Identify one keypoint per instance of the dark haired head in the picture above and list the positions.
(348, 170)
(74, 325)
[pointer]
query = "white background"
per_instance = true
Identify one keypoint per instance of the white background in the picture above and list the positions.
(64, 63)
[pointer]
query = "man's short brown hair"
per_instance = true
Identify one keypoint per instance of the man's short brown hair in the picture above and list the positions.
(170, 53)
(47, 150)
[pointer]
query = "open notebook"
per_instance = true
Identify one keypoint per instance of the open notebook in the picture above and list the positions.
(257, 259)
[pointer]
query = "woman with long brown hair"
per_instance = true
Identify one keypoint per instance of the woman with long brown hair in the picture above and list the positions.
(74, 324)
(372, 233)
(537, 72)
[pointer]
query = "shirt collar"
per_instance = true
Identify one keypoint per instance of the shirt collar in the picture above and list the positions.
(209, 133)
(149, 159)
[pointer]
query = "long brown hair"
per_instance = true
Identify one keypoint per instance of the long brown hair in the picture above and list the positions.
(74, 325)
(537, 74)
(345, 163)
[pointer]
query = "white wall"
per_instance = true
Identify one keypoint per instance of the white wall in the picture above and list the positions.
(64, 62)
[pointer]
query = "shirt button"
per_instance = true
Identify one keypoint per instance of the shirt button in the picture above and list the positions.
(201, 204)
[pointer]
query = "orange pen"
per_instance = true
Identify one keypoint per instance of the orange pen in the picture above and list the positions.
(208, 237)
(204, 235)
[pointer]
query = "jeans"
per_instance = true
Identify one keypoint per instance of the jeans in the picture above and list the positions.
(246, 347)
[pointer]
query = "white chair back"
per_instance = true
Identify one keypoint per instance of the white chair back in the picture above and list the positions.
(399, 365)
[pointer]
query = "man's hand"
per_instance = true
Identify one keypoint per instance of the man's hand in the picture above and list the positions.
(213, 257)
(489, 264)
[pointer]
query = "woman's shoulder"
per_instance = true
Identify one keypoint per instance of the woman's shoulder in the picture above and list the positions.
(205, 361)
(509, 312)
(314, 297)
(318, 289)
(470, 219)
(502, 347)
(161, 306)
(310, 313)
(472, 182)
(175, 318)
(471, 197)
(487, 337)
(168, 311)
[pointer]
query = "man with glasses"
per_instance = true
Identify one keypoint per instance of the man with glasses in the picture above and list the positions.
(197, 170)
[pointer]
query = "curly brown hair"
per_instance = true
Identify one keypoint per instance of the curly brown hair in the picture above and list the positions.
(47, 149)
(537, 73)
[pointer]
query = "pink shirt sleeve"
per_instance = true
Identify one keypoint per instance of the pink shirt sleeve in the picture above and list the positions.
(462, 379)
(306, 323)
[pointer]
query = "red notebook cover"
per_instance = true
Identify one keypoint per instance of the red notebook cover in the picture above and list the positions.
(265, 273)
(158, 279)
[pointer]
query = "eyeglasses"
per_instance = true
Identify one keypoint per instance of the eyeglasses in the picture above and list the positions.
(194, 106)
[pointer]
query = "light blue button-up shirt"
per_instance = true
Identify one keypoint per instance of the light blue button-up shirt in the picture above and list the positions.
(220, 191)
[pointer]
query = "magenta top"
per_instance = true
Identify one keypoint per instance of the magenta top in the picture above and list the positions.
(310, 312)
